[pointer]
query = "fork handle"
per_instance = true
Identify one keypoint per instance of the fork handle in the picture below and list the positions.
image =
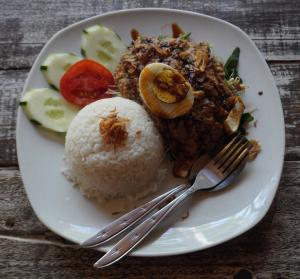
(129, 219)
(132, 239)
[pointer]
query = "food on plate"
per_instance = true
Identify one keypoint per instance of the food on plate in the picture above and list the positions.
(176, 30)
(165, 92)
(232, 78)
(56, 65)
(103, 45)
(85, 82)
(110, 145)
(159, 95)
(232, 121)
(82, 81)
(254, 150)
(201, 129)
(47, 108)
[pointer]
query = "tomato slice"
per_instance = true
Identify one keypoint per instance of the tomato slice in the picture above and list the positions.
(85, 82)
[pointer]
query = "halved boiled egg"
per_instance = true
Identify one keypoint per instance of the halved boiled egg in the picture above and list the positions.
(165, 91)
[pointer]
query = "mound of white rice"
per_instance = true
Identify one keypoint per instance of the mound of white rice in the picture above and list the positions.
(104, 172)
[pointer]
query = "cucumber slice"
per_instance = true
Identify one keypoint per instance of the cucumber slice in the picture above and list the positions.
(56, 65)
(47, 108)
(102, 45)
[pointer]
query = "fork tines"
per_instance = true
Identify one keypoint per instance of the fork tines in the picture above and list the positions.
(233, 154)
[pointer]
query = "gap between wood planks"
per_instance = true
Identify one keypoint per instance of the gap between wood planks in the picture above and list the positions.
(275, 61)
(269, 61)
(39, 241)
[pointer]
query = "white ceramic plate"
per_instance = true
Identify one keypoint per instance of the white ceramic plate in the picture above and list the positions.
(212, 219)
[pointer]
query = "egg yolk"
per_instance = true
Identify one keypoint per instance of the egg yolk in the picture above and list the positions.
(170, 87)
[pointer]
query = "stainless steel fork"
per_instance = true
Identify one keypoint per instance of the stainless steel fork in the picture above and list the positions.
(129, 219)
(217, 174)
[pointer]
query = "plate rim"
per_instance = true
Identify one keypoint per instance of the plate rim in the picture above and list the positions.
(168, 10)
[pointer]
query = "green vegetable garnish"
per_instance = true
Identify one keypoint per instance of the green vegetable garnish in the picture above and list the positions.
(118, 36)
(23, 103)
(246, 118)
(83, 52)
(231, 65)
(43, 68)
(53, 86)
(185, 36)
(35, 122)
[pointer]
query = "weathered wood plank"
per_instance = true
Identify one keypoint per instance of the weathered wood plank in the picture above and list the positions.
(222, 262)
(18, 56)
(286, 76)
(261, 19)
(274, 28)
(30, 250)
(289, 85)
(263, 250)
(17, 217)
(21, 56)
(11, 83)
(279, 49)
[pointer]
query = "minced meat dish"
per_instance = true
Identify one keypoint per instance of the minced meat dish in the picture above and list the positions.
(201, 130)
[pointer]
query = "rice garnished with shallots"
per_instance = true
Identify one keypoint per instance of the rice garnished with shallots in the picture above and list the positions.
(110, 145)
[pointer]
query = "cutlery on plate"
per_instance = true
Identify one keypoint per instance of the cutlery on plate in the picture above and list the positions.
(129, 219)
(219, 173)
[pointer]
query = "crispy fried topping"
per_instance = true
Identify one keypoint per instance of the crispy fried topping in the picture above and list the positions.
(134, 34)
(114, 129)
(202, 58)
(176, 30)
(163, 52)
(254, 149)
(201, 130)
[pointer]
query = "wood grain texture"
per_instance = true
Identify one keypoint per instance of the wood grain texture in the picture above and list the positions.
(260, 19)
(271, 250)
(22, 56)
(273, 27)
(39, 250)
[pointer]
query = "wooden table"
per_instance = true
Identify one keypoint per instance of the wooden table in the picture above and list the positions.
(29, 250)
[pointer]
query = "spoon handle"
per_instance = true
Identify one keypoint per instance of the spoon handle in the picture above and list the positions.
(126, 244)
(129, 219)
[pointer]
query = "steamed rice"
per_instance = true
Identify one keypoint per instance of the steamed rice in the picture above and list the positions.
(103, 171)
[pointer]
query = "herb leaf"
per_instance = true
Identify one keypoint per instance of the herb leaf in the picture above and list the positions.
(43, 68)
(82, 51)
(246, 118)
(22, 103)
(35, 122)
(231, 64)
(161, 37)
(53, 86)
(185, 36)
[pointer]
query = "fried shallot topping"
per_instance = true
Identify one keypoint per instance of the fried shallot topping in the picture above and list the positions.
(114, 129)
(254, 149)
(176, 30)
(134, 34)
